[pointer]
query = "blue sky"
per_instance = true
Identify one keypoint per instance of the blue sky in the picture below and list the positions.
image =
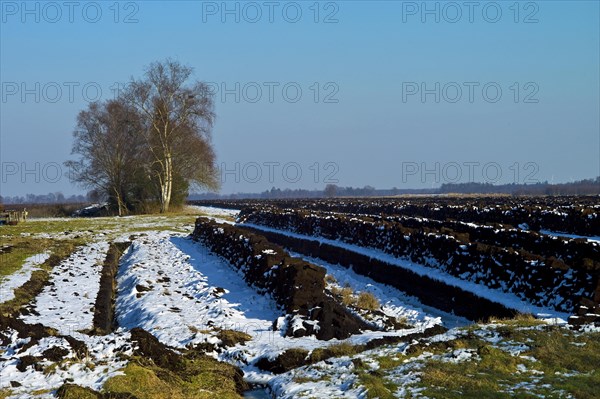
(361, 67)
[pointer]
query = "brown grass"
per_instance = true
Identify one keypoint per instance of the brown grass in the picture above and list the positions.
(367, 301)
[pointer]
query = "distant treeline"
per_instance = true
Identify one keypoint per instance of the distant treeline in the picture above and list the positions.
(301, 193)
(581, 187)
(50, 198)
(587, 186)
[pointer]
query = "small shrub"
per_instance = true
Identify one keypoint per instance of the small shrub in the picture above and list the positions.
(347, 296)
(367, 301)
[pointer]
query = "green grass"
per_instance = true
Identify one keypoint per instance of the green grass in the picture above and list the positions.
(21, 249)
(109, 225)
(336, 350)
(60, 250)
(29, 238)
(144, 383)
(389, 362)
(561, 352)
(201, 378)
(557, 363)
(471, 379)
(376, 386)
(565, 361)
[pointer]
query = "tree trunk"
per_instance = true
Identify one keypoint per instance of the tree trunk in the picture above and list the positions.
(120, 203)
(167, 184)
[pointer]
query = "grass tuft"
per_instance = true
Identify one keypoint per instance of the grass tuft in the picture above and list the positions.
(232, 337)
(377, 386)
(367, 301)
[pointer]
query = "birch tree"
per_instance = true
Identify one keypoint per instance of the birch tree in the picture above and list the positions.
(178, 117)
(107, 139)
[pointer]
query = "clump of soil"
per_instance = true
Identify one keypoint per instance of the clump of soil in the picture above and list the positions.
(150, 347)
(186, 366)
(72, 391)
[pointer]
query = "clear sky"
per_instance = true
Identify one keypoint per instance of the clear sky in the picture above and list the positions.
(381, 93)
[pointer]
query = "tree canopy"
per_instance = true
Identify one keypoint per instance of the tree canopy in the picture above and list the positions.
(151, 143)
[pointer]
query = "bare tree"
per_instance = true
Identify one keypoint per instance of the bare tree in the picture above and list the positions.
(178, 116)
(330, 190)
(110, 146)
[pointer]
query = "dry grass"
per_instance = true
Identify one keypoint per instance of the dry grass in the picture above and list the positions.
(367, 301)
(347, 296)
(570, 363)
(202, 378)
(519, 320)
(330, 279)
(363, 300)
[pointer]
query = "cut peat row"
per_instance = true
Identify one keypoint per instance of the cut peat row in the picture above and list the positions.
(568, 214)
(543, 281)
(429, 291)
(296, 285)
(104, 320)
(564, 252)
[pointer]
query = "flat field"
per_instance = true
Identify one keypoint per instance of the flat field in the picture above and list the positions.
(415, 297)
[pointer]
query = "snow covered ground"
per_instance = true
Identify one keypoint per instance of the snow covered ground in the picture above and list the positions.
(393, 302)
(339, 377)
(342, 377)
(15, 280)
(180, 292)
(184, 295)
(67, 303)
(333, 378)
(174, 288)
(102, 362)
